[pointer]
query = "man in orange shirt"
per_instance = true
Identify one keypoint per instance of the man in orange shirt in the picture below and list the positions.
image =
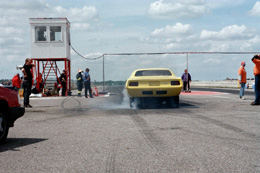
(242, 79)
(16, 82)
(256, 61)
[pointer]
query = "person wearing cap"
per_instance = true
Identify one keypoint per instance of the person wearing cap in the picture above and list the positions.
(242, 79)
(256, 61)
(27, 82)
(63, 82)
(79, 78)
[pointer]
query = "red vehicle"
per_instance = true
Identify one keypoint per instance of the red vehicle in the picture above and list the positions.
(10, 110)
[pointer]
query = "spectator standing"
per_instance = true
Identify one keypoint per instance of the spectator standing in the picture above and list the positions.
(186, 79)
(256, 61)
(27, 82)
(242, 79)
(87, 82)
(79, 78)
(39, 83)
(63, 81)
(16, 81)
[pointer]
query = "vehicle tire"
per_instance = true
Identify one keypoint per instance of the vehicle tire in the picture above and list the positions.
(4, 128)
(136, 103)
(173, 102)
(140, 104)
(131, 102)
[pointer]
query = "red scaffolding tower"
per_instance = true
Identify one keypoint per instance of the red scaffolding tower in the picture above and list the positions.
(50, 71)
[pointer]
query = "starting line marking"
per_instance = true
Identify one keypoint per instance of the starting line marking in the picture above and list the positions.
(201, 93)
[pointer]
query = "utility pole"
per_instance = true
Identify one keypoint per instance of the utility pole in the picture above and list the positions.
(103, 72)
(187, 61)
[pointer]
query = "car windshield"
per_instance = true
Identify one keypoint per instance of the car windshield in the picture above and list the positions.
(153, 73)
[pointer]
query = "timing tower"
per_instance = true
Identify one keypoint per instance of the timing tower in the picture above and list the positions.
(50, 50)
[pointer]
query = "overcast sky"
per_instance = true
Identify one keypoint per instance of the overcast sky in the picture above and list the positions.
(139, 26)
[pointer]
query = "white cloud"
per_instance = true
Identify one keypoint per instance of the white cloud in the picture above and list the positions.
(229, 38)
(222, 47)
(171, 35)
(81, 18)
(84, 14)
(81, 26)
(177, 9)
(18, 10)
(11, 41)
(255, 11)
(214, 61)
(171, 46)
(178, 29)
(223, 3)
(93, 55)
(233, 32)
(251, 45)
(10, 31)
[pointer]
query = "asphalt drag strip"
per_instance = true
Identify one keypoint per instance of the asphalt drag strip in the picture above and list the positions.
(207, 133)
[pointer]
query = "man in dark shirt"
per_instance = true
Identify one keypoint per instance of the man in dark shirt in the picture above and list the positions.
(63, 81)
(27, 82)
(186, 79)
(87, 83)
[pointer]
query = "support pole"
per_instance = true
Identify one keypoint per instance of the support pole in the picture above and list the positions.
(187, 61)
(103, 73)
(69, 65)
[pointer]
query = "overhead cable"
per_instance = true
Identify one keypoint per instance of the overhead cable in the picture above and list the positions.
(160, 53)
(164, 53)
(84, 56)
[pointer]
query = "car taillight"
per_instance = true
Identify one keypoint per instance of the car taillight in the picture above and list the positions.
(175, 82)
(133, 84)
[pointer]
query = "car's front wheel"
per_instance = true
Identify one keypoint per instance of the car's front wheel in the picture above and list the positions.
(4, 128)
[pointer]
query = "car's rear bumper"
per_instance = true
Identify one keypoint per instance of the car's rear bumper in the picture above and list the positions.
(154, 92)
(15, 113)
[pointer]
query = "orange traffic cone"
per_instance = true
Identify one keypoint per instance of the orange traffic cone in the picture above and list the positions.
(96, 91)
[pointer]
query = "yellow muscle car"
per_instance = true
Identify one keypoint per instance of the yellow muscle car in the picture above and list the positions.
(153, 86)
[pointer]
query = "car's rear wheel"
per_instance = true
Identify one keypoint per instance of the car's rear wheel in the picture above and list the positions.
(136, 102)
(4, 128)
(173, 102)
(131, 102)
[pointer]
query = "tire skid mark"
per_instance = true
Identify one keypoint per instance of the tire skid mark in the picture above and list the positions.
(228, 127)
(67, 99)
(148, 134)
(110, 164)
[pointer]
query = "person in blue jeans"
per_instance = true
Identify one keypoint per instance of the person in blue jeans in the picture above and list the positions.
(87, 82)
(27, 82)
(256, 61)
(242, 79)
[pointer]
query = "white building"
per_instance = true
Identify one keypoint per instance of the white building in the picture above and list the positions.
(50, 38)
(50, 49)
